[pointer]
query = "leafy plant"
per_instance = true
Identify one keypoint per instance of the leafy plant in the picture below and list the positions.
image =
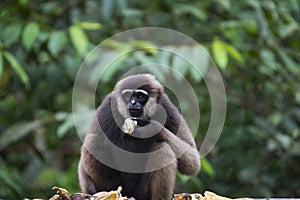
(254, 43)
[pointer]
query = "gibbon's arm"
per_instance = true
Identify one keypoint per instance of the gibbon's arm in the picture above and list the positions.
(186, 152)
(175, 133)
(180, 138)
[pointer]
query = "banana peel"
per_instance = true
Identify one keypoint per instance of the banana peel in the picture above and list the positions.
(63, 194)
(207, 196)
(112, 195)
(185, 196)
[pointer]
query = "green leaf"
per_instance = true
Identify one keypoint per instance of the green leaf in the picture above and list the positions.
(164, 57)
(17, 67)
(83, 115)
(207, 167)
(68, 122)
(233, 52)
(154, 69)
(146, 46)
(31, 170)
(115, 63)
(122, 46)
(290, 64)
(179, 62)
(190, 9)
(48, 176)
(220, 54)
(79, 40)
(247, 174)
(1, 64)
(250, 25)
(121, 4)
(11, 33)
(90, 25)
(183, 178)
(195, 74)
(295, 149)
(131, 13)
(107, 8)
(7, 177)
(289, 29)
(57, 42)
(276, 118)
(269, 59)
(17, 132)
(60, 116)
(164, 60)
(225, 4)
(29, 35)
(65, 126)
(199, 58)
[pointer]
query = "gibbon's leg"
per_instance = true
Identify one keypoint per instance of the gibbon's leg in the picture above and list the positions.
(159, 184)
(94, 176)
(87, 185)
(163, 181)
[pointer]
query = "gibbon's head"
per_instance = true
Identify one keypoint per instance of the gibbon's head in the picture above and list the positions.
(136, 94)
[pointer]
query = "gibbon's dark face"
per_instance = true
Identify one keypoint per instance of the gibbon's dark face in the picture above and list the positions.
(136, 95)
(135, 100)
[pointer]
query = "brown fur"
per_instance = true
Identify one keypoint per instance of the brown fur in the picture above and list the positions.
(174, 141)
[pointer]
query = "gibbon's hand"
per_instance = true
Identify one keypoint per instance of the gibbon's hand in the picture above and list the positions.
(154, 128)
(147, 131)
(154, 125)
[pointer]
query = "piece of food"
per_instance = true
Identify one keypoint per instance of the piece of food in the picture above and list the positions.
(212, 196)
(80, 196)
(129, 126)
(185, 196)
(63, 194)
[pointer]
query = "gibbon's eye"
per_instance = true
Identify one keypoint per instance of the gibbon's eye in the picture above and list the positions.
(142, 96)
(126, 94)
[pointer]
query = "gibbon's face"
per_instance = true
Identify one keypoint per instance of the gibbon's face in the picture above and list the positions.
(136, 95)
(135, 99)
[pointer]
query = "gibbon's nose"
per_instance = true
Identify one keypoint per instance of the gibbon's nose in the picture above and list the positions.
(133, 102)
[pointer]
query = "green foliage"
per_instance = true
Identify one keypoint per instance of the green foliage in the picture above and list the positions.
(29, 34)
(17, 132)
(17, 67)
(255, 45)
(57, 41)
(206, 166)
(79, 40)
(1, 64)
(220, 54)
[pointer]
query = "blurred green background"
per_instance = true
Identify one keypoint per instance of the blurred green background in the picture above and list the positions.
(255, 44)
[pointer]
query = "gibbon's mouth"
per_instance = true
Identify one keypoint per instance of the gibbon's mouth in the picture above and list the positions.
(135, 112)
